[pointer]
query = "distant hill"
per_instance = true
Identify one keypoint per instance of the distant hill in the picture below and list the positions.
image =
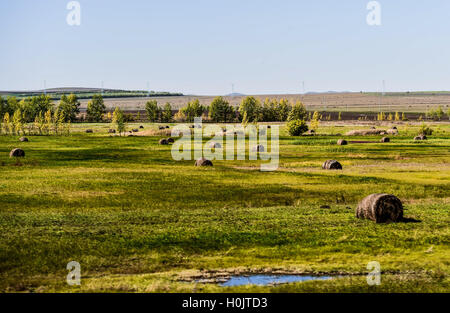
(235, 94)
(86, 93)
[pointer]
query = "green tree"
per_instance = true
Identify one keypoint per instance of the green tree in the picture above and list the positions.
(166, 115)
(17, 122)
(192, 110)
(96, 108)
(3, 106)
(315, 120)
(439, 113)
(250, 105)
(7, 123)
(118, 120)
(39, 123)
(220, 110)
(269, 111)
(283, 108)
(153, 111)
(48, 121)
(12, 104)
(69, 106)
(298, 112)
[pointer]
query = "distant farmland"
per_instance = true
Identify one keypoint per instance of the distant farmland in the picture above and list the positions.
(331, 102)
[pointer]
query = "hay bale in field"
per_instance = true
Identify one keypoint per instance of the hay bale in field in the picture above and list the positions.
(215, 145)
(135, 130)
(342, 142)
(17, 153)
(258, 148)
(365, 132)
(268, 126)
(203, 162)
(385, 139)
(421, 137)
(394, 127)
(163, 142)
(161, 127)
(89, 131)
(170, 140)
(23, 139)
(332, 165)
(141, 127)
(111, 131)
(167, 127)
(380, 208)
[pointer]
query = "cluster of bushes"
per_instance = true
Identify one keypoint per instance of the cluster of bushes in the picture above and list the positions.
(389, 117)
(437, 113)
(43, 124)
(32, 107)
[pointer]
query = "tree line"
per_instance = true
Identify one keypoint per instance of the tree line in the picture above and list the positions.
(250, 110)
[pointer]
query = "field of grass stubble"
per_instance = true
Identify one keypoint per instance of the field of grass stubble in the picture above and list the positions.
(138, 221)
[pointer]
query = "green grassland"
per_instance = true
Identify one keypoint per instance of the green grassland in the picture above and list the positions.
(138, 221)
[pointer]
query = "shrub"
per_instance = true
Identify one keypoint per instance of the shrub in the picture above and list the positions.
(425, 130)
(297, 127)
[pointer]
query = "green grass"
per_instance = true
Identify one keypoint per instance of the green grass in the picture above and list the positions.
(137, 220)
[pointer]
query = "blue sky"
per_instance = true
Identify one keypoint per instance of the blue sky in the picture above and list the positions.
(202, 47)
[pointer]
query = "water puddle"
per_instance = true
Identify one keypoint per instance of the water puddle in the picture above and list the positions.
(265, 280)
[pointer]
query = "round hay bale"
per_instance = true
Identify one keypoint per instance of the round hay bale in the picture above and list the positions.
(420, 137)
(135, 130)
(385, 139)
(141, 127)
(23, 139)
(394, 127)
(380, 208)
(111, 131)
(161, 127)
(170, 140)
(163, 142)
(167, 127)
(89, 131)
(258, 148)
(332, 165)
(342, 142)
(268, 126)
(17, 153)
(203, 162)
(215, 145)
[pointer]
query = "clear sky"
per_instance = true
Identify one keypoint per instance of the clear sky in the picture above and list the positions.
(203, 46)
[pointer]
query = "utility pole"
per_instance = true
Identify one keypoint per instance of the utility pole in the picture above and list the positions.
(45, 87)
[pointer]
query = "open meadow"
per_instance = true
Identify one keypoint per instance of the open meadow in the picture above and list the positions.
(138, 221)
